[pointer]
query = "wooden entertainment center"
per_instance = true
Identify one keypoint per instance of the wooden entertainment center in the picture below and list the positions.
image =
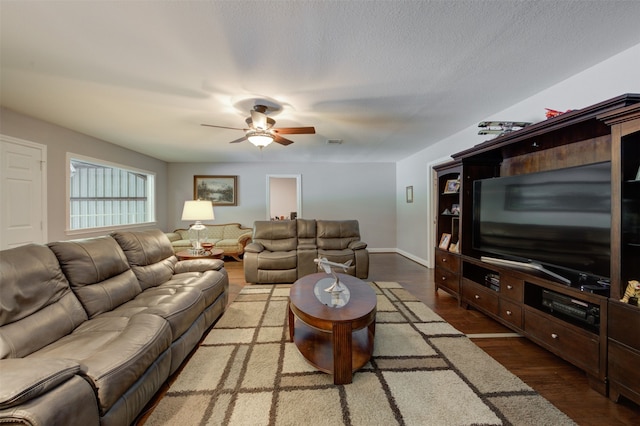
(606, 344)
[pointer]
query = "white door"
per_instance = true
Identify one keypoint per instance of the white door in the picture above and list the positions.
(22, 192)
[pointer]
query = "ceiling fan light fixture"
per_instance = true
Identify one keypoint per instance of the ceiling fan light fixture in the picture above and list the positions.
(260, 139)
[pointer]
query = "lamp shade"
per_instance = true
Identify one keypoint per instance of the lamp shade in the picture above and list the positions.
(260, 138)
(197, 210)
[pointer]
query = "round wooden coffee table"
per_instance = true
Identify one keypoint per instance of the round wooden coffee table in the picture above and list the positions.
(334, 335)
(214, 253)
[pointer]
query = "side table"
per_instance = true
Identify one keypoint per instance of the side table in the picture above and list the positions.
(334, 338)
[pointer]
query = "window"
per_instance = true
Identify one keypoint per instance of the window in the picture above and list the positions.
(108, 195)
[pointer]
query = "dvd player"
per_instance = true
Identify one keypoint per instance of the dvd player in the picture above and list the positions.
(585, 312)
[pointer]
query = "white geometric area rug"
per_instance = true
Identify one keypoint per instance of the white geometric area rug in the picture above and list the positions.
(423, 372)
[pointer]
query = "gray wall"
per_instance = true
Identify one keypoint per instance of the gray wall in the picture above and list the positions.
(59, 141)
(363, 191)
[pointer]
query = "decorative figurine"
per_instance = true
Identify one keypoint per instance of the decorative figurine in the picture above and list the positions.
(554, 112)
(632, 293)
(336, 287)
(501, 127)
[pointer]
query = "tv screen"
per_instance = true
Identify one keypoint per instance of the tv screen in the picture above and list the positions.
(559, 218)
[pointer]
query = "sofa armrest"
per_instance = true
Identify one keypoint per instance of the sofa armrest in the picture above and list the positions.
(173, 236)
(198, 265)
(357, 245)
(25, 379)
(244, 239)
(254, 248)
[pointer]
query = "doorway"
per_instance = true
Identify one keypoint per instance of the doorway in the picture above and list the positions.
(284, 200)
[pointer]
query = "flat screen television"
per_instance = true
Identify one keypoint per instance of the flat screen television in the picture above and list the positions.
(557, 221)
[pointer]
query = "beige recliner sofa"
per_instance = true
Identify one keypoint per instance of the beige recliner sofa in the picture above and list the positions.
(90, 329)
(283, 251)
(230, 237)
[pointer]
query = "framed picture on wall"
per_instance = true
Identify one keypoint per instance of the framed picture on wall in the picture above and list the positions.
(220, 190)
(409, 194)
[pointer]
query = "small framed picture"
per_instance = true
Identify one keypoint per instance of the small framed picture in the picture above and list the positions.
(444, 241)
(409, 194)
(455, 209)
(453, 248)
(638, 174)
(452, 186)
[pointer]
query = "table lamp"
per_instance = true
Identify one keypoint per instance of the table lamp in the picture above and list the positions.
(197, 210)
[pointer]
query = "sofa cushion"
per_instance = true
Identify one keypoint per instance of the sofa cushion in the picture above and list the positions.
(276, 235)
(114, 351)
(228, 245)
(34, 292)
(211, 283)
(278, 260)
(179, 306)
(337, 234)
(149, 254)
(234, 232)
(306, 234)
(98, 272)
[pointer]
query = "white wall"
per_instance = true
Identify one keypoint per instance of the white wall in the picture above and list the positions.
(363, 191)
(59, 141)
(613, 77)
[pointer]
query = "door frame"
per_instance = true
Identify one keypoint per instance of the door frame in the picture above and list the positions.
(298, 179)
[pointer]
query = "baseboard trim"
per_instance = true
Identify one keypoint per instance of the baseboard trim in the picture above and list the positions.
(403, 253)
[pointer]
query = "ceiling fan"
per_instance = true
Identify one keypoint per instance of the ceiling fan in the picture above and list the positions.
(261, 132)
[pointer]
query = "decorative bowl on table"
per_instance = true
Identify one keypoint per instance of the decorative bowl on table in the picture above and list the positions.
(207, 247)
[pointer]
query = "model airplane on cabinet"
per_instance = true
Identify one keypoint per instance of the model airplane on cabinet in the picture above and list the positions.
(501, 127)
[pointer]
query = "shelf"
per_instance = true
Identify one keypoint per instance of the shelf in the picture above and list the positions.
(565, 306)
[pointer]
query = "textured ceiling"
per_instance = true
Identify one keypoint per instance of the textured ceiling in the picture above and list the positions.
(387, 77)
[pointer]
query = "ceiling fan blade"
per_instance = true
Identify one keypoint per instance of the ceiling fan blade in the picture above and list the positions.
(242, 139)
(224, 127)
(282, 141)
(295, 130)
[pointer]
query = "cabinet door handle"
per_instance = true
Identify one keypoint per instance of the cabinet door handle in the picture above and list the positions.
(509, 287)
(444, 278)
(508, 312)
(444, 260)
(554, 335)
(477, 297)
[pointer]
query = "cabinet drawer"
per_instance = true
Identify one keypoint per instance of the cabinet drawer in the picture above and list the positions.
(448, 261)
(511, 312)
(445, 278)
(623, 369)
(480, 297)
(624, 323)
(511, 287)
(577, 346)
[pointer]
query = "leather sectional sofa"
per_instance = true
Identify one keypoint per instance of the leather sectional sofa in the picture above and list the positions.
(230, 237)
(283, 251)
(90, 329)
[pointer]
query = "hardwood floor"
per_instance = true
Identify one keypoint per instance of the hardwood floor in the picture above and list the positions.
(561, 383)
